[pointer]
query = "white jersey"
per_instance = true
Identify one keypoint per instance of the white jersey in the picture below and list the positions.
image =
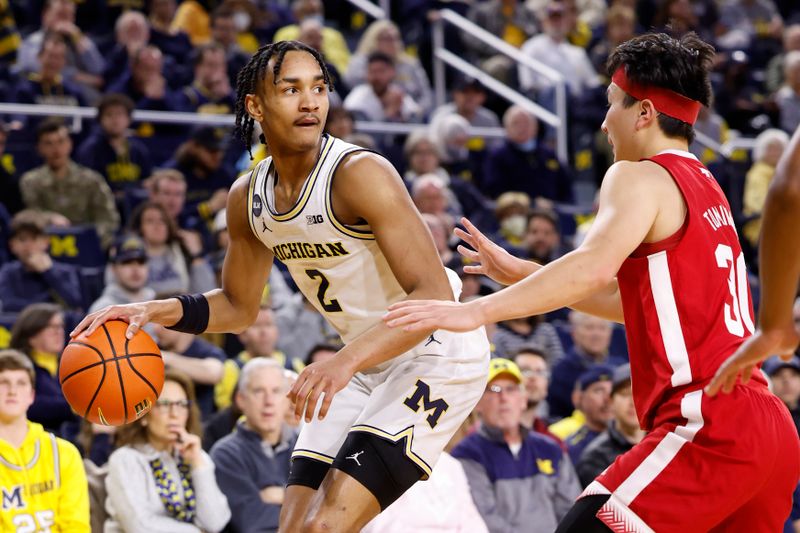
(339, 268)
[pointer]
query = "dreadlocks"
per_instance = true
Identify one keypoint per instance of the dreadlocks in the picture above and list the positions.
(255, 71)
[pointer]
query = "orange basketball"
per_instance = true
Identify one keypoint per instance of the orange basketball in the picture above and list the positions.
(109, 379)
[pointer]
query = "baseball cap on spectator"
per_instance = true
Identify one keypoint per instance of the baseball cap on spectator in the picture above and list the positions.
(500, 366)
(774, 364)
(468, 83)
(594, 375)
(208, 137)
(127, 248)
(620, 378)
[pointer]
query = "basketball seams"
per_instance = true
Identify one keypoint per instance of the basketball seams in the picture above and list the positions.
(130, 364)
(119, 372)
(93, 365)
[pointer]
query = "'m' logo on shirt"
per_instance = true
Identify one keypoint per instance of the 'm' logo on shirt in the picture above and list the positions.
(13, 499)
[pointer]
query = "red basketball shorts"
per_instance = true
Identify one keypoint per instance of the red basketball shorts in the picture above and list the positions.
(728, 463)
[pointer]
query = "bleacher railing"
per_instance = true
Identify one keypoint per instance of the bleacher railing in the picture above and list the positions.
(441, 55)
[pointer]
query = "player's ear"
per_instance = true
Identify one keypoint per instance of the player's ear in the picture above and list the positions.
(254, 108)
(647, 113)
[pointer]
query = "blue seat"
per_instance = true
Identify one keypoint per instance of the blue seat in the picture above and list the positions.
(76, 245)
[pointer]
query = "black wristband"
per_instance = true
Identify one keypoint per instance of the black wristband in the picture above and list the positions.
(195, 314)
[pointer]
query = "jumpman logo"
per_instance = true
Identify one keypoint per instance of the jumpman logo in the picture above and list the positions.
(354, 457)
(265, 228)
(432, 339)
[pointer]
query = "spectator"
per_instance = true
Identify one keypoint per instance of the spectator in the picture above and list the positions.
(774, 75)
(170, 40)
(33, 458)
(383, 36)
(521, 163)
(511, 211)
(60, 185)
(322, 352)
(160, 479)
(788, 97)
(341, 124)
(210, 91)
(9, 35)
(167, 187)
(131, 32)
(442, 503)
(739, 98)
(311, 34)
(622, 434)
(129, 273)
(592, 398)
(620, 26)
(451, 133)
(34, 277)
(542, 242)
(380, 98)
(334, 45)
(197, 359)
(424, 155)
(124, 162)
(431, 195)
(200, 161)
(469, 95)
(301, 326)
(744, 22)
(511, 335)
(39, 334)
(520, 480)
(224, 33)
(552, 48)
(785, 377)
(192, 18)
(253, 462)
(592, 338)
(711, 124)
(176, 266)
(511, 20)
(84, 62)
(532, 363)
(12, 199)
(767, 151)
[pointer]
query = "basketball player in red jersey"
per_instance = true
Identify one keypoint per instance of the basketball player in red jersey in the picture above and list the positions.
(664, 258)
(780, 271)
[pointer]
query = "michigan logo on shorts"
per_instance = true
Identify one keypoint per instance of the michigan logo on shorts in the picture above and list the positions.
(423, 394)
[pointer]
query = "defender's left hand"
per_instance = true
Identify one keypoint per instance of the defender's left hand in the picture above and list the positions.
(430, 315)
(325, 377)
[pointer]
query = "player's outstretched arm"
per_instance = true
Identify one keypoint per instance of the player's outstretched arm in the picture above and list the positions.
(779, 272)
(493, 261)
(629, 203)
(231, 308)
(367, 187)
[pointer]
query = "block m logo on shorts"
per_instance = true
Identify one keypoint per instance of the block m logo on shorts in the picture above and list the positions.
(12, 499)
(423, 393)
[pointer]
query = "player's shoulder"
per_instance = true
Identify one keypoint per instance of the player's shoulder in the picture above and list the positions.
(364, 163)
(636, 176)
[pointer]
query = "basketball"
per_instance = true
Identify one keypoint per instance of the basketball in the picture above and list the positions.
(109, 379)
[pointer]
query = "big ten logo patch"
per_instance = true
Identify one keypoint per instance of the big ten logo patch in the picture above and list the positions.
(63, 246)
(314, 219)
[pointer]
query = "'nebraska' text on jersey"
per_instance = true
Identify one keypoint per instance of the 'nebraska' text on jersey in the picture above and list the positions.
(686, 299)
(339, 268)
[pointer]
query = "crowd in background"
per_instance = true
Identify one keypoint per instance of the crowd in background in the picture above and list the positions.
(115, 211)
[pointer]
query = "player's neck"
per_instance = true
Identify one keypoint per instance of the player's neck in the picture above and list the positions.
(291, 167)
(14, 432)
(661, 143)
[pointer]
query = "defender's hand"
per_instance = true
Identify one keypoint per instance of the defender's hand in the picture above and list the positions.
(760, 346)
(430, 315)
(325, 377)
(490, 259)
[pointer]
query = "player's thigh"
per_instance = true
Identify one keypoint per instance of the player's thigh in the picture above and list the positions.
(320, 440)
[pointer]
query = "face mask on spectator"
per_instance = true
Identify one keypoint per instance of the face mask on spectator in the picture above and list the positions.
(241, 19)
(514, 225)
(527, 146)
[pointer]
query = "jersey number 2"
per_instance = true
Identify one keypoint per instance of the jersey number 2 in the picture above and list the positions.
(737, 313)
(333, 305)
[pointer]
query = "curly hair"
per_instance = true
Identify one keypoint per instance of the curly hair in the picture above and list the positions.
(255, 71)
(681, 65)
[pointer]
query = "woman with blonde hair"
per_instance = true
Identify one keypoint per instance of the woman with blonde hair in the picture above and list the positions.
(767, 151)
(159, 478)
(384, 36)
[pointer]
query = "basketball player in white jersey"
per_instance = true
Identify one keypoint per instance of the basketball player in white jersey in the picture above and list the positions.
(381, 411)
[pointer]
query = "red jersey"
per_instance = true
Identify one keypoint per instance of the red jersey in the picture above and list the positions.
(685, 299)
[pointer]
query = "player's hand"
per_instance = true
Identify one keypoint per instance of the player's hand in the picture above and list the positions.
(324, 377)
(760, 346)
(189, 446)
(136, 315)
(430, 315)
(491, 260)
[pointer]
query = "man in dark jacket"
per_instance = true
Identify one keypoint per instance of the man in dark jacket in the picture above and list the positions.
(34, 277)
(622, 434)
(252, 463)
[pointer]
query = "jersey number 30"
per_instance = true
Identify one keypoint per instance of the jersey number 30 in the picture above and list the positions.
(331, 306)
(737, 313)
